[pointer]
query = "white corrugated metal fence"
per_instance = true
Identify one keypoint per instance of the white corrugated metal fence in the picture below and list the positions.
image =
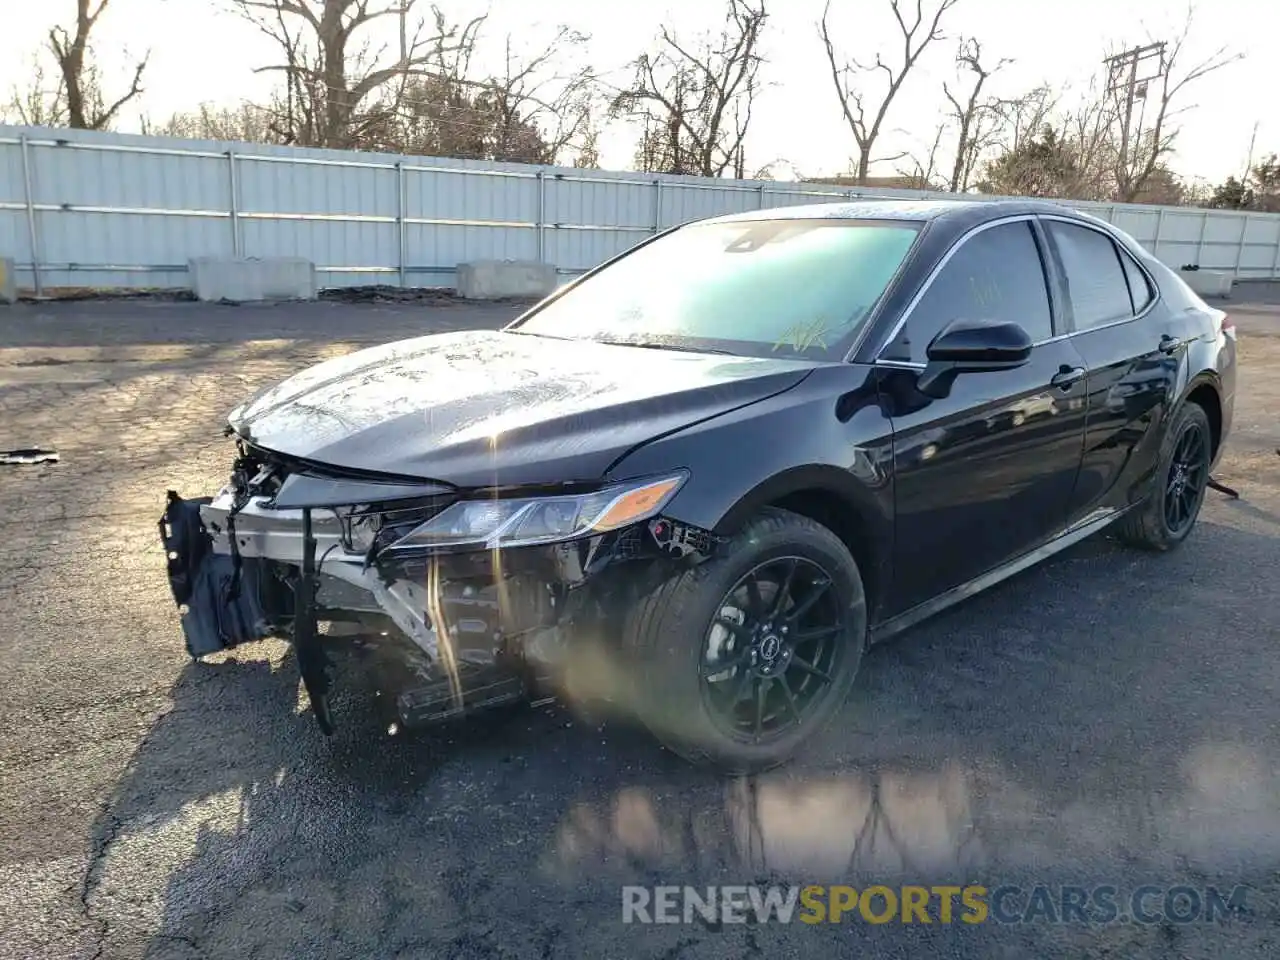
(85, 209)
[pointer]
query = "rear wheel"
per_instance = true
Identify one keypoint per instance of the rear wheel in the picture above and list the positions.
(1178, 489)
(746, 656)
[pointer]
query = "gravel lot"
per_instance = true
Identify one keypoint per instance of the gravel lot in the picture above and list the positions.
(1109, 718)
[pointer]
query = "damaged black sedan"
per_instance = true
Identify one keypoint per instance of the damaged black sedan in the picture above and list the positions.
(699, 481)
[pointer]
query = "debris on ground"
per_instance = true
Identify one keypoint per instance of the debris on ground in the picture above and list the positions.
(72, 294)
(30, 455)
(383, 293)
(1223, 488)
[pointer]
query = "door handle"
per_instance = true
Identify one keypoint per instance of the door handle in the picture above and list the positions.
(1066, 376)
(1170, 344)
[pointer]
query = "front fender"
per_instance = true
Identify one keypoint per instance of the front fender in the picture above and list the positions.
(828, 435)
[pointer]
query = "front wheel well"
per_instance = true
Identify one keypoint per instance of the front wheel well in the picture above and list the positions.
(1206, 397)
(834, 513)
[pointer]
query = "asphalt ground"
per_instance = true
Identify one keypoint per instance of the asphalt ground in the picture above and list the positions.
(1109, 718)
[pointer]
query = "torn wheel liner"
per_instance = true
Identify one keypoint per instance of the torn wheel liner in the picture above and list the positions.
(223, 602)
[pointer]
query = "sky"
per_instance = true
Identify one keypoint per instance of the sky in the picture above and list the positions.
(201, 52)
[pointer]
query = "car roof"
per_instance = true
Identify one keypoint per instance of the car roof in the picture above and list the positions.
(945, 209)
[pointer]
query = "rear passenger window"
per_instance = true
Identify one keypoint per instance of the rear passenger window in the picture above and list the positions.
(996, 274)
(1139, 286)
(1096, 285)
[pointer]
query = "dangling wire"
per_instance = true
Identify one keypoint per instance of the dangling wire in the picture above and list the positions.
(1223, 488)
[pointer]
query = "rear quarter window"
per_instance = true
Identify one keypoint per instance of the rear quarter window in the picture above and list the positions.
(1140, 292)
(1097, 287)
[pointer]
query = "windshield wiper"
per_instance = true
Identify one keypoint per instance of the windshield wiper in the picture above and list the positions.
(658, 345)
(532, 333)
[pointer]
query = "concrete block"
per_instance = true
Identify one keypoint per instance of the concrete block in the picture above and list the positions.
(1209, 283)
(8, 281)
(497, 279)
(242, 281)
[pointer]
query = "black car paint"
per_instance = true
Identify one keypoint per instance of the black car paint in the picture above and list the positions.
(1123, 439)
(936, 496)
(992, 491)
(499, 409)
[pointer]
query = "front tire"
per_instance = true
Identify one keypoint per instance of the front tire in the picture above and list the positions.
(1178, 488)
(744, 657)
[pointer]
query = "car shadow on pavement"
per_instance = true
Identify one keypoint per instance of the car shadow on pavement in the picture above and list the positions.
(1257, 513)
(1075, 722)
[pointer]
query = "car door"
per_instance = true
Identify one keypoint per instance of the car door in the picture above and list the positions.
(1132, 358)
(985, 474)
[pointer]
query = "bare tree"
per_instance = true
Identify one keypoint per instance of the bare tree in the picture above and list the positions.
(530, 112)
(333, 69)
(977, 119)
(1112, 142)
(1054, 146)
(1265, 178)
(430, 112)
(1068, 155)
(1094, 153)
(343, 90)
(587, 156)
(1089, 131)
(1259, 189)
(536, 92)
(695, 102)
(247, 123)
(924, 174)
(36, 104)
(1022, 118)
(80, 88)
(1137, 161)
(848, 76)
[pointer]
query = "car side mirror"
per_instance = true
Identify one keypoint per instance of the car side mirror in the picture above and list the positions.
(972, 346)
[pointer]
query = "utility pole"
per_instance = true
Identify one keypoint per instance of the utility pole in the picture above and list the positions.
(1128, 74)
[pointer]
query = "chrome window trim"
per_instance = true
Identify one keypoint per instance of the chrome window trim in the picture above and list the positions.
(933, 275)
(1085, 224)
(1121, 251)
(873, 312)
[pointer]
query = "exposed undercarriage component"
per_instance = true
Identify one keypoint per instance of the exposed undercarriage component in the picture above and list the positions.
(276, 553)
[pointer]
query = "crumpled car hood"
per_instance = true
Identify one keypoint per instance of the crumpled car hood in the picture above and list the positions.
(494, 408)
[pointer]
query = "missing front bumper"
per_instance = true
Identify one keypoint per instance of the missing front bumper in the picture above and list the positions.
(235, 566)
(227, 599)
(241, 571)
(243, 568)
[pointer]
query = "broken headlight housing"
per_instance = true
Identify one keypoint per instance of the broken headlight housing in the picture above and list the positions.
(360, 531)
(495, 523)
(368, 529)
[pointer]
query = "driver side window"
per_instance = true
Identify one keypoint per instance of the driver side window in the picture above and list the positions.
(996, 274)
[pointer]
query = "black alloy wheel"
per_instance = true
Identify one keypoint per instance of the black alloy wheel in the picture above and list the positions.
(772, 649)
(1168, 514)
(741, 660)
(1186, 478)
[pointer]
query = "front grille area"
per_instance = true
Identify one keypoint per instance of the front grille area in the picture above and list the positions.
(369, 521)
(371, 527)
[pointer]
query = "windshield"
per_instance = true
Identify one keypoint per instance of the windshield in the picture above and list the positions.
(792, 288)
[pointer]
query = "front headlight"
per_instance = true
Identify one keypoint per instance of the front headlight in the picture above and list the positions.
(523, 522)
